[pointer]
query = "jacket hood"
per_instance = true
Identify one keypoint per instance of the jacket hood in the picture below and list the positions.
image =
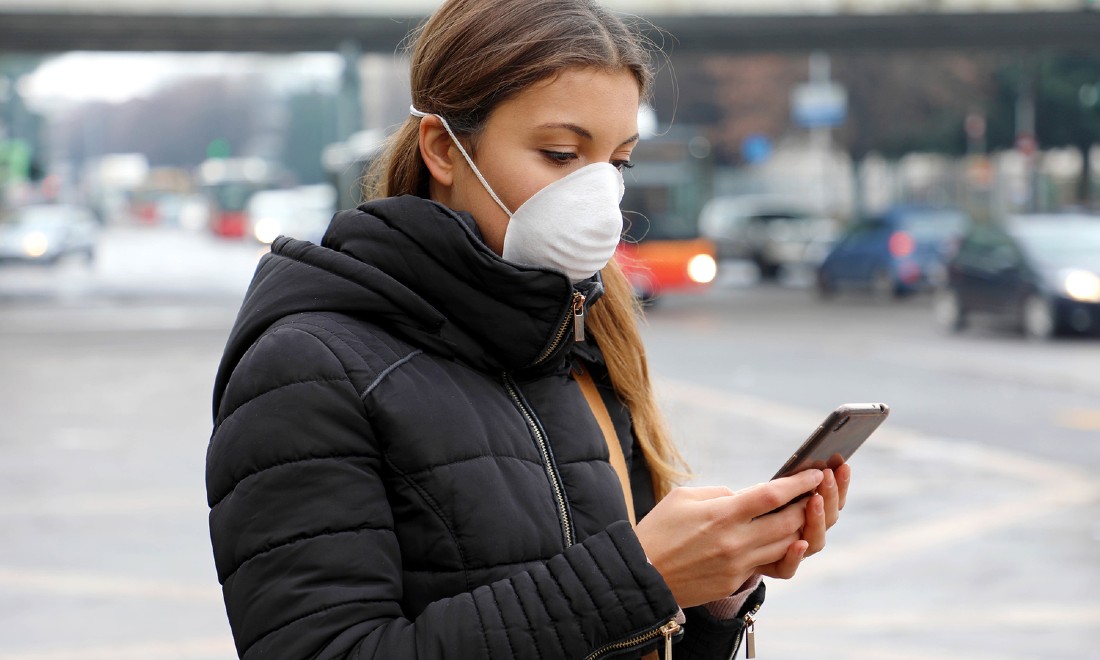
(421, 271)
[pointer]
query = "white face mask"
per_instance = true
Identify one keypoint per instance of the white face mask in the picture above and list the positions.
(572, 225)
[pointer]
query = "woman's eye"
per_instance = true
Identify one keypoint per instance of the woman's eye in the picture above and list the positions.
(559, 157)
(622, 164)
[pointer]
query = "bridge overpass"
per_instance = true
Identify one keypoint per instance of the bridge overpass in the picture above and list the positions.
(279, 26)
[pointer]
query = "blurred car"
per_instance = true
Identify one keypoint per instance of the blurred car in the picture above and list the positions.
(902, 251)
(303, 212)
(46, 233)
(655, 267)
(1041, 273)
(661, 251)
(774, 232)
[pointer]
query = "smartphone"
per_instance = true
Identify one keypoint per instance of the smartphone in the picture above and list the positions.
(834, 442)
(838, 437)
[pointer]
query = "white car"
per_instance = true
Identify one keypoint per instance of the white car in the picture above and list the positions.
(303, 212)
(772, 231)
(45, 233)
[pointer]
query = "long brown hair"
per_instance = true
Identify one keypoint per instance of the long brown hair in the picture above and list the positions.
(470, 56)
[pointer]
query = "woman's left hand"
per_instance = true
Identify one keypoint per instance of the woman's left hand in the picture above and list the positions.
(822, 511)
(823, 508)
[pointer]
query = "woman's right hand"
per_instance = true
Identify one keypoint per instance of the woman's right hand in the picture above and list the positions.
(707, 542)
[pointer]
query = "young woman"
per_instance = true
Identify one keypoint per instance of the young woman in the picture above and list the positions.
(403, 462)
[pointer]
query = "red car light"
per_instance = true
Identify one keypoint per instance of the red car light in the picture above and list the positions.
(901, 244)
(909, 272)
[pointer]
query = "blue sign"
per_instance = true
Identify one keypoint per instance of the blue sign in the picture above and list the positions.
(816, 105)
(756, 148)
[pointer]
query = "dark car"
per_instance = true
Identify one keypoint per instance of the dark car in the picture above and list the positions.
(901, 251)
(1041, 273)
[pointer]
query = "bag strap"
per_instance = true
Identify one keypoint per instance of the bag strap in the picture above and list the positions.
(614, 449)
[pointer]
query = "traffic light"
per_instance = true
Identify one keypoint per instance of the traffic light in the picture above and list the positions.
(219, 148)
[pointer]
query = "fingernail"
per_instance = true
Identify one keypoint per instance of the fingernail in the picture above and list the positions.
(819, 504)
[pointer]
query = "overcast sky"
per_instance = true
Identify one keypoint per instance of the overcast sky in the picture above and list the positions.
(119, 77)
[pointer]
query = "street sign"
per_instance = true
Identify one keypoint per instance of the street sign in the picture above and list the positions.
(756, 148)
(819, 104)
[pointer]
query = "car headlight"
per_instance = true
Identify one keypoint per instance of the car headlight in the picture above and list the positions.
(1081, 285)
(702, 269)
(35, 244)
(266, 230)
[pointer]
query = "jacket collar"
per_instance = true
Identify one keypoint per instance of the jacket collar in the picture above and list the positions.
(422, 271)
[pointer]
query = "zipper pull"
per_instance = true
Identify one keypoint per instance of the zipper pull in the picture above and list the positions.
(668, 630)
(578, 316)
(750, 636)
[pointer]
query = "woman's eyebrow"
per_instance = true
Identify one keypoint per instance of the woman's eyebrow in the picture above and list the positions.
(585, 133)
(579, 130)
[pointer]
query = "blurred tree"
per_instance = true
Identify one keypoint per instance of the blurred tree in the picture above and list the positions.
(22, 143)
(311, 126)
(177, 126)
(172, 127)
(897, 102)
(1061, 119)
(731, 97)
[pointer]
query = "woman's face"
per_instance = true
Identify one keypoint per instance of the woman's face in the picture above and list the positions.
(540, 135)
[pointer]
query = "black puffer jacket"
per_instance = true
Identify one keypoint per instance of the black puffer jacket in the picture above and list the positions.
(402, 466)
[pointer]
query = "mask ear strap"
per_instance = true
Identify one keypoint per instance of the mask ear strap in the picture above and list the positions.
(418, 113)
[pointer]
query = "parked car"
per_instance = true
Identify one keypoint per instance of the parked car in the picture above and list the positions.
(45, 233)
(899, 252)
(774, 232)
(303, 212)
(1040, 273)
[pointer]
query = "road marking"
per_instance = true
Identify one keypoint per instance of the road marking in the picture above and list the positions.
(106, 585)
(788, 646)
(106, 504)
(913, 538)
(1033, 615)
(786, 632)
(1080, 419)
(1054, 486)
(107, 320)
(800, 421)
(190, 649)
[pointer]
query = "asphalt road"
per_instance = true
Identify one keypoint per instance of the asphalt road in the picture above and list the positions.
(973, 525)
(972, 531)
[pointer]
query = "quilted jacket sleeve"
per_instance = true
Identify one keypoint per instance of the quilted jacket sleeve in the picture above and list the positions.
(305, 550)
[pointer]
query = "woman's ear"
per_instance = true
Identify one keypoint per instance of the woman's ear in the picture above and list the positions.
(436, 148)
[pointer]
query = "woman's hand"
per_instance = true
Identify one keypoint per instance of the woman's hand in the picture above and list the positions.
(822, 510)
(706, 542)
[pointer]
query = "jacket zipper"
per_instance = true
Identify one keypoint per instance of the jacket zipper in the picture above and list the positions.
(577, 314)
(749, 635)
(547, 463)
(667, 630)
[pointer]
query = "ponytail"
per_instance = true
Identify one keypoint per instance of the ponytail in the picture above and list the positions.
(613, 320)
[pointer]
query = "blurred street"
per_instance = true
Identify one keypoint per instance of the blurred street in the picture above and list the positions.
(972, 528)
